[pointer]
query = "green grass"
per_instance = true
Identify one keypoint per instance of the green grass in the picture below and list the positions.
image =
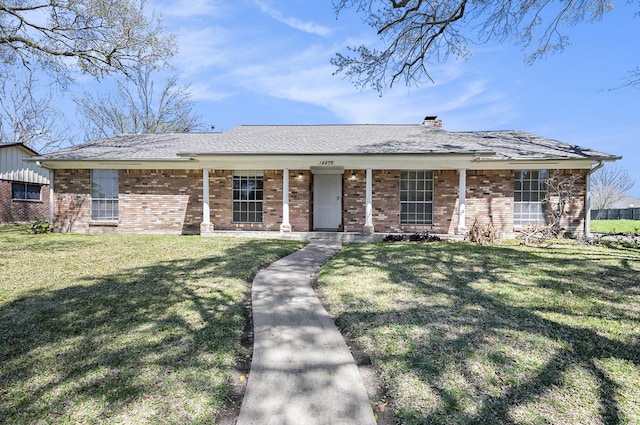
(122, 329)
(507, 334)
(616, 226)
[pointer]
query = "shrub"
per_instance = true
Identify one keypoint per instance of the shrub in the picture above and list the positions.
(414, 237)
(38, 227)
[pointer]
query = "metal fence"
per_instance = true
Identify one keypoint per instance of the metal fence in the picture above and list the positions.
(616, 214)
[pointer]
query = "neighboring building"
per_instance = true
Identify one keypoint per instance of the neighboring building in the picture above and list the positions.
(626, 208)
(24, 186)
(351, 178)
(626, 202)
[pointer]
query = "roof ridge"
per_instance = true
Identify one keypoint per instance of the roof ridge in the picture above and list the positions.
(326, 125)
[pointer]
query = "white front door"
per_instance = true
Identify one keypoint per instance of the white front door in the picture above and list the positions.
(327, 201)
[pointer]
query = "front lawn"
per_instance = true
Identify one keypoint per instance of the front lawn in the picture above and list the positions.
(507, 334)
(627, 227)
(122, 329)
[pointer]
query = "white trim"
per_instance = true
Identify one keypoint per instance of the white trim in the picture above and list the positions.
(319, 163)
(326, 169)
(316, 163)
(285, 226)
(462, 201)
(248, 173)
(51, 197)
(408, 202)
(178, 164)
(205, 226)
(368, 215)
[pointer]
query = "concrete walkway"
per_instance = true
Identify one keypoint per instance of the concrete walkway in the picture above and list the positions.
(302, 372)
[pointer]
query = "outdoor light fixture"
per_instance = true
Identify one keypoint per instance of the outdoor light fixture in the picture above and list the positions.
(353, 176)
(300, 175)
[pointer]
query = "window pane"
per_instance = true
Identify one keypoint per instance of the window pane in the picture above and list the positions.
(104, 194)
(248, 189)
(18, 191)
(416, 197)
(529, 194)
(544, 175)
(33, 191)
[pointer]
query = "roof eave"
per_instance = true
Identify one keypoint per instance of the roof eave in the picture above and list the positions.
(21, 146)
(143, 163)
(193, 155)
(609, 158)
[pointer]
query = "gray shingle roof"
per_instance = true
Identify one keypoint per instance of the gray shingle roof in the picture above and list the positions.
(136, 147)
(327, 139)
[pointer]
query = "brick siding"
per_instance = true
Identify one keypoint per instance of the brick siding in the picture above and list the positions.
(489, 198)
(300, 213)
(573, 219)
(171, 201)
(221, 182)
(72, 204)
(163, 201)
(353, 200)
(160, 201)
(22, 211)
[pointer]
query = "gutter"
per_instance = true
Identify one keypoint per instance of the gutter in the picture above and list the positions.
(515, 161)
(44, 159)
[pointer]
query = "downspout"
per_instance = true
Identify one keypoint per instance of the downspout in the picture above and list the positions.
(587, 217)
(52, 205)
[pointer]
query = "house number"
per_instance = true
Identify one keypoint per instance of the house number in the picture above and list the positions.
(326, 162)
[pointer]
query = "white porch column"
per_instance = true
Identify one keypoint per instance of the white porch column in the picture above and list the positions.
(285, 226)
(368, 215)
(52, 206)
(206, 226)
(462, 202)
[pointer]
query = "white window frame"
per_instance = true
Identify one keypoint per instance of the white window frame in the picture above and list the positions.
(529, 193)
(104, 195)
(417, 193)
(247, 197)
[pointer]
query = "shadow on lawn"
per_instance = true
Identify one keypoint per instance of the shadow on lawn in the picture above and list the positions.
(157, 341)
(459, 331)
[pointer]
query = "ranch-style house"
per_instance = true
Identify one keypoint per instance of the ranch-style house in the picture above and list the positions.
(302, 178)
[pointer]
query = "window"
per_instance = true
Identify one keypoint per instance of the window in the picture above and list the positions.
(104, 195)
(247, 197)
(25, 191)
(416, 197)
(529, 193)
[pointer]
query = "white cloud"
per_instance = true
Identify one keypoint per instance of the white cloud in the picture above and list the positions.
(201, 92)
(184, 9)
(204, 49)
(306, 76)
(308, 27)
(225, 61)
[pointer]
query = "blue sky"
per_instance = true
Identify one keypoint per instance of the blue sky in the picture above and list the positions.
(267, 62)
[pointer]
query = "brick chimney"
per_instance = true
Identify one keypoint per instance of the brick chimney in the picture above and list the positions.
(432, 121)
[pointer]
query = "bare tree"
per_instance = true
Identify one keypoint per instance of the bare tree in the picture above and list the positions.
(417, 33)
(609, 185)
(100, 36)
(560, 198)
(28, 115)
(134, 108)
